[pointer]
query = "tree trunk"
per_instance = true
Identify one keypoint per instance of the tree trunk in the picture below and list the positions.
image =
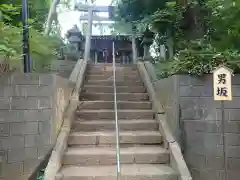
(195, 18)
(52, 11)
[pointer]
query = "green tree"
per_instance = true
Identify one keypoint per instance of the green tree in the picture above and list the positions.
(223, 27)
(204, 33)
(38, 11)
(43, 49)
(135, 10)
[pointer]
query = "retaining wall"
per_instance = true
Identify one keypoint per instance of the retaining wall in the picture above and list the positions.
(195, 120)
(63, 68)
(31, 110)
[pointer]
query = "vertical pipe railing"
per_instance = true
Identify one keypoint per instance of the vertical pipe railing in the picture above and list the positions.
(116, 115)
(25, 16)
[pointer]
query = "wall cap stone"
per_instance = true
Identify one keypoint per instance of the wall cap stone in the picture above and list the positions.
(55, 163)
(177, 161)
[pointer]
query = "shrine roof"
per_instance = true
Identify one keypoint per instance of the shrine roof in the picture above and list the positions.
(74, 30)
(75, 39)
(111, 37)
(101, 37)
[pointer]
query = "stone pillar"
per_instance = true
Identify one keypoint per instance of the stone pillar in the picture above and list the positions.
(146, 48)
(123, 57)
(88, 36)
(170, 47)
(96, 57)
(134, 49)
(162, 51)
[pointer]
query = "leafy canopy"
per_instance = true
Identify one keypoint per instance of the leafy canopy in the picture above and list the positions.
(205, 32)
(38, 11)
(135, 10)
(42, 48)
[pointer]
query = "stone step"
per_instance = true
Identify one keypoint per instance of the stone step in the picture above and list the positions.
(110, 114)
(110, 105)
(110, 77)
(128, 172)
(110, 145)
(107, 156)
(106, 68)
(90, 96)
(124, 125)
(111, 64)
(109, 89)
(108, 137)
(110, 73)
(110, 83)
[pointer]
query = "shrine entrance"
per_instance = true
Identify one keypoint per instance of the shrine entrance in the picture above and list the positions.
(101, 49)
(101, 56)
(98, 49)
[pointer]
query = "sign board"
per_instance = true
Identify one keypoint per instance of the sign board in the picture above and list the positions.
(222, 84)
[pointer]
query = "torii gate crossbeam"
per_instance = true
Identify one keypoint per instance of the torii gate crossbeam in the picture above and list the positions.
(90, 18)
(90, 9)
(85, 8)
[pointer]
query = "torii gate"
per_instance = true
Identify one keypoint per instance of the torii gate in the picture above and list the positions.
(90, 18)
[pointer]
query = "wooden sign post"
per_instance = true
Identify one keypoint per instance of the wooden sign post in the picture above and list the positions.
(222, 84)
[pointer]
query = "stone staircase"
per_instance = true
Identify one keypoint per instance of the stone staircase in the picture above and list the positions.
(91, 151)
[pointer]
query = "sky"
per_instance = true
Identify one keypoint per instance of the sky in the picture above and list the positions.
(69, 18)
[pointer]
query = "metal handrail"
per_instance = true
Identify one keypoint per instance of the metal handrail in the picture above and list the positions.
(116, 115)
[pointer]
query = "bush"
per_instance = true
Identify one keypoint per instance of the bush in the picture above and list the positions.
(42, 49)
(198, 58)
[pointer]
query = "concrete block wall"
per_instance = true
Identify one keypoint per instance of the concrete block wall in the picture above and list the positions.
(195, 120)
(30, 118)
(167, 93)
(202, 117)
(199, 123)
(63, 67)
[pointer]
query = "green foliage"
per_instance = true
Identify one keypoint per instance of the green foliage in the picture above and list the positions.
(166, 24)
(135, 13)
(8, 11)
(38, 11)
(71, 52)
(9, 44)
(163, 19)
(40, 174)
(223, 28)
(43, 49)
(121, 27)
(218, 43)
(134, 10)
(198, 58)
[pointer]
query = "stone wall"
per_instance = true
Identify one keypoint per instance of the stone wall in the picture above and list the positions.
(30, 118)
(201, 119)
(63, 67)
(167, 92)
(196, 122)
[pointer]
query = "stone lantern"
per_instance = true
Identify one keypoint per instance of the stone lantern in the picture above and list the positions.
(75, 37)
(147, 41)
